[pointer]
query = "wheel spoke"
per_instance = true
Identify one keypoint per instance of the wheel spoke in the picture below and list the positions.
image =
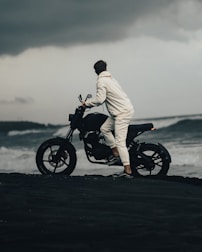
(64, 162)
(47, 161)
(55, 168)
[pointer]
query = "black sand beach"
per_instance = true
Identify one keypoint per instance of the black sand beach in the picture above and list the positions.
(95, 213)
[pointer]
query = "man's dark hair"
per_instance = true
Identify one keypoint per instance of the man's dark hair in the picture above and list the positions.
(100, 66)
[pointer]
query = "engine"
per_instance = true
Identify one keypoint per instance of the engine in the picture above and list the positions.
(94, 146)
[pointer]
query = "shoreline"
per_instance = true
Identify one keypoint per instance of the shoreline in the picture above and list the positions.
(97, 213)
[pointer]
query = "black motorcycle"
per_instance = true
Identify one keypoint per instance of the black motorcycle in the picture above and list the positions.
(58, 155)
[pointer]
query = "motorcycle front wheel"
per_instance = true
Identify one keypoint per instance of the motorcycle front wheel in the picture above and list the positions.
(46, 160)
(149, 160)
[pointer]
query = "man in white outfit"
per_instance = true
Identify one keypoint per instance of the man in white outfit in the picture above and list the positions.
(120, 109)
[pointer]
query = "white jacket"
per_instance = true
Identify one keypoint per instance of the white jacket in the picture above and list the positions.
(110, 92)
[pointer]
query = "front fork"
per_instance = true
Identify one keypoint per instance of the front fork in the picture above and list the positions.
(60, 151)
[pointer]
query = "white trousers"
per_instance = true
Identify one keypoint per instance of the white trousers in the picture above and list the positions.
(120, 125)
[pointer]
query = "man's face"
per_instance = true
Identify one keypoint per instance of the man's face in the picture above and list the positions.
(97, 72)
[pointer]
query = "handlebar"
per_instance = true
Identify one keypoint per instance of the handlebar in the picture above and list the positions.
(74, 118)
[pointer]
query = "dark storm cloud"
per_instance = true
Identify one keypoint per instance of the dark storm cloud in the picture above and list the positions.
(35, 23)
(17, 100)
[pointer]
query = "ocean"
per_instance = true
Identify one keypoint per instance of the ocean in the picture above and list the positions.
(181, 135)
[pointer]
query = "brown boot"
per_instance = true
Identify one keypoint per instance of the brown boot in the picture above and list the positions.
(127, 169)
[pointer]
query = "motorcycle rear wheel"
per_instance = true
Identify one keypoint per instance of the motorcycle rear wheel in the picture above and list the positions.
(158, 163)
(46, 158)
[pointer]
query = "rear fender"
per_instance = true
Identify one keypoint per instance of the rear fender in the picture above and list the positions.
(165, 152)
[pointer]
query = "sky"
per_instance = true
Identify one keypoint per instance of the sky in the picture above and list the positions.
(48, 49)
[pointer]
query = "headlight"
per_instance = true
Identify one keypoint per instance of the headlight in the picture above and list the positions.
(71, 117)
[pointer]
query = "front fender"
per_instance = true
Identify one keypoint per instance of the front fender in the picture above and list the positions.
(165, 153)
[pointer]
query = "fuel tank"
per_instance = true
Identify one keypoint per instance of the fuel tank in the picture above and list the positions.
(93, 121)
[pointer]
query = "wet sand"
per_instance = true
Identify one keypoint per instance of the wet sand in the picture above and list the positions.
(95, 213)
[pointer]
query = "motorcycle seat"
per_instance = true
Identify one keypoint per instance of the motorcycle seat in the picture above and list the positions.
(140, 127)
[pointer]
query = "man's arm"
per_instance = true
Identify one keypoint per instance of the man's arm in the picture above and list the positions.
(100, 96)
